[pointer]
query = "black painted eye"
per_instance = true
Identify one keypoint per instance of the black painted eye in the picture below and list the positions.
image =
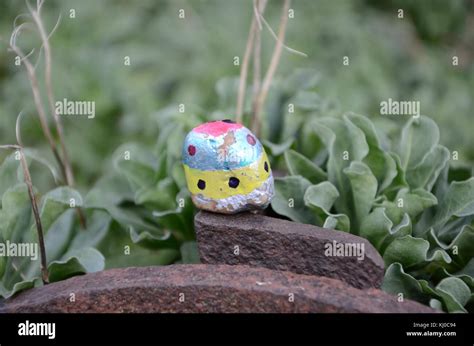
(201, 184)
(234, 182)
(265, 166)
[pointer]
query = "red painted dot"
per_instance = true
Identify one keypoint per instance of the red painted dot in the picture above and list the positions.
(251, 139)
(191, 150)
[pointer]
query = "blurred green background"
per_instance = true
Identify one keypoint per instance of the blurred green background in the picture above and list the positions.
(139, 211)
(190, 61)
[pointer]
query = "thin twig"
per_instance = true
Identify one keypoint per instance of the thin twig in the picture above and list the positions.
(69, 175)
(31, 194)
(256, 123)
(63, 161)
(245, 64)
(256, 11)
(17, 129)
(257, 52)
(256, 71)
(291, 50)
(244, 71)
(49, 90)
(34, 205)
(36, 96)
(10, 146)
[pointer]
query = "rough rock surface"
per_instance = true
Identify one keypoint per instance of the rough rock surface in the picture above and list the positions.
(204, 288)
(283, 245)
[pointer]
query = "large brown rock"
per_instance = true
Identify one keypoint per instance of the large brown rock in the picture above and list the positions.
(263, 241)
(204, 288)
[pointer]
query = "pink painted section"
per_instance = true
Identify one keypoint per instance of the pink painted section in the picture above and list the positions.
(216, 128)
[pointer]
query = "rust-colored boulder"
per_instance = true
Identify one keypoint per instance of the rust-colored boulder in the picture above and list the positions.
(203, 288)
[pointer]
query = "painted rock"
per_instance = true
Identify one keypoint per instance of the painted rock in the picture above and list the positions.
(226, 168)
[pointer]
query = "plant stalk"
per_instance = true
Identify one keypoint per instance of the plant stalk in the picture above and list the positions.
(254, 27)
(260, 102)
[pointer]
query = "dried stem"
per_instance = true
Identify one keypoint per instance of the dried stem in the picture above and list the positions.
(291, 50)
(257, 52)
(243, 73)
(10, 146)
(256, 11)
(63, 161)
(256, 121)
(34, 206)
(256, 72)
(39, 227)
(35, 14)
(245, 63)
(30, 70)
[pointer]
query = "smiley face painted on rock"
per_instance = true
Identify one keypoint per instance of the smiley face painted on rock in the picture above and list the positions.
(226, 168)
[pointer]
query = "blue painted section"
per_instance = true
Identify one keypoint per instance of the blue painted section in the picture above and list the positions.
(211, 156)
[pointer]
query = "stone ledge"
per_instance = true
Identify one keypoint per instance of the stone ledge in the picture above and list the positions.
(206, 288)
(284, 245)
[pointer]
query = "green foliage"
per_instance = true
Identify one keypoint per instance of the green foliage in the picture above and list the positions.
(64, 257)
(137, 215)
(398, 196)
(138, 211)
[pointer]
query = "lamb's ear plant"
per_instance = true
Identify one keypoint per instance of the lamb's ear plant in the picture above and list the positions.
(46, 249)
(145, 193)
(51, 249)
(34, 207)
(118, 233)
(401, 196)
(138, 214)
(68, 251)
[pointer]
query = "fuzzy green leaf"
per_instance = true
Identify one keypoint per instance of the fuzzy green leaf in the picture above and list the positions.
(299, 165)
(411, 202)
(15, 213)
(419, 137)
(55, 202)
(455, 294)
(278, 149)
(345, 142)
(289, 199)
(86, 260)
(380, 162)
(407, 250)
(137, 164)
(321, 198)
(425, 173)
(364, 188)
(8, 173)
(307, 100)
(396, 281)
(458, 201)
(17, 287)
(378, 229)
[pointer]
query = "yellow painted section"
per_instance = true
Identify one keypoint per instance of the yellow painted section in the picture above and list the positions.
(217, 182)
